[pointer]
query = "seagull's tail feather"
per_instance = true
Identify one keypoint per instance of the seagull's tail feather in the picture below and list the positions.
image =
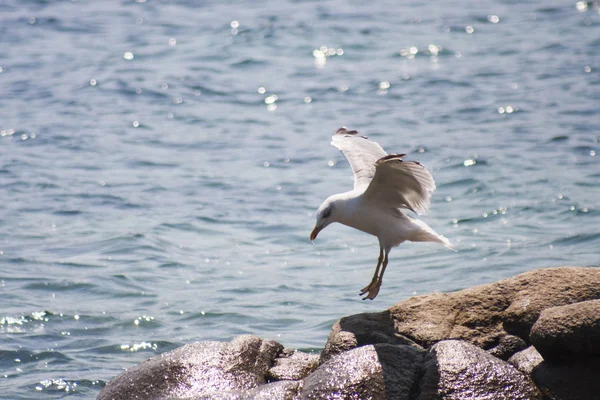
(423, 233)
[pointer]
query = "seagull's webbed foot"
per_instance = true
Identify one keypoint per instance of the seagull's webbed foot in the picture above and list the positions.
(371, 290)
(367, 288)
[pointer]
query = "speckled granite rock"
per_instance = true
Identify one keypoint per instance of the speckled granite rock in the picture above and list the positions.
(283, 390)
(196, 369)
(292, 365)
(569, 332)
(353, 374)
(459, 370)
(372, 372)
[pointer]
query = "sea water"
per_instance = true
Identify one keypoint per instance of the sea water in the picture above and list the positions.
(161, 163)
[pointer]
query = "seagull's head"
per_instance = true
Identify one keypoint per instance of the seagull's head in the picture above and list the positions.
(326, 214)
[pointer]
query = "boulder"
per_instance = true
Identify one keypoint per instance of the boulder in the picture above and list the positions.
(402, 367)
(376, 372)
(458, 370)
(570, 332)
(362, 329)
(526, 360)
(197, 369)
(483, 315)
(292, 365)
(356, 373)
(507, 346)
(544, 288)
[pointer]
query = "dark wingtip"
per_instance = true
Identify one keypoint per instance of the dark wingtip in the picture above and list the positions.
(390, 157)
(344, 131)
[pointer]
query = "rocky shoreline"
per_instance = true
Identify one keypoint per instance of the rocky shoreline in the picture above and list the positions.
(532, 336)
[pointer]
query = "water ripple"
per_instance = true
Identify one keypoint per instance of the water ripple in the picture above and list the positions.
(161, 173)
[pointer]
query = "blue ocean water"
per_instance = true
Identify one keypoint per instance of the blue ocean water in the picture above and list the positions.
(161, 162)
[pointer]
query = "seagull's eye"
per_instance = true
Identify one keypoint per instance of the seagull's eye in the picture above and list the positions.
(327, 213)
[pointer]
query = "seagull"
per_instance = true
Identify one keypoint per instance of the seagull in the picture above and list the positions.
(383, 185)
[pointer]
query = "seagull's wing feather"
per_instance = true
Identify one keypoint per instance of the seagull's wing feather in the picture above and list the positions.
(361, 153)
(400, 184)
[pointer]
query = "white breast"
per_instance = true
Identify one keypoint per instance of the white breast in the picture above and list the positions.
(391, 226)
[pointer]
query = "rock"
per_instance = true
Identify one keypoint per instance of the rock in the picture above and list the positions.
(197, 369)
(382, 355)
(526, 360)
(402, 367)
(374, 372)
(293, 365)
(356, 373)
(472, 314)
(569, 381)
(459, 370)
(539, 289)
(570, 332)
(483, 315)
(362, 329)
(284, 390)
(507, 346)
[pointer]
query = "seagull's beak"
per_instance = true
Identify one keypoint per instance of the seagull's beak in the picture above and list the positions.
(315, 232)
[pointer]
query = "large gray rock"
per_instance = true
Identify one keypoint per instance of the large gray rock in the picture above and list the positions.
(197, 369)
(353, 374)
(483, 315)
(456, 370)
(370, 372)
(570, 332)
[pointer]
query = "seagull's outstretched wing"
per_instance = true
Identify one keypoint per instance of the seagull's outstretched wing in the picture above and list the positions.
(361, 153)
(400, 184)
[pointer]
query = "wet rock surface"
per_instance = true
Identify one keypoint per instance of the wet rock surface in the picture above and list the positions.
(353, 374)
(292, 365)
(459, 370)
(196, 369)
(437, 346)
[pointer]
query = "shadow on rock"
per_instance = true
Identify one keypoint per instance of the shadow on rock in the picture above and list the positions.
(363, 329)
(569, 381)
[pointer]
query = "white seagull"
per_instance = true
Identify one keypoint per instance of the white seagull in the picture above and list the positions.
(383, 184)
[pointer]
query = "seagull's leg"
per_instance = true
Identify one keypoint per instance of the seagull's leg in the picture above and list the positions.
(373, 283)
